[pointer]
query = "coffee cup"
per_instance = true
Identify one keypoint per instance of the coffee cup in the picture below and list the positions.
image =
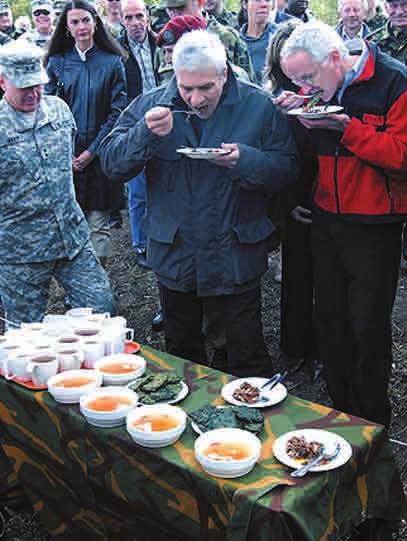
(15, 365)
(69, 358)
(3, 342)
(115, 339)
(84, 332)
(42, 367)
(68, 340)
(33, 328)
(76, 313)
(93, 349)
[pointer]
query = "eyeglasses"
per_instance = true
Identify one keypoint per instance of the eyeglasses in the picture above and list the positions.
(39, 12)
(305, 80)
(4, 14)
(114, 1)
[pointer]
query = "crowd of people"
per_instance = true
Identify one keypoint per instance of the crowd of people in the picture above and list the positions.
(99, 99)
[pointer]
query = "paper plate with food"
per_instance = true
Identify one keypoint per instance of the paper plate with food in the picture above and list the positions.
(299, 447)
(212, 417)
(160, 388)
(203, 153)
(254, 392)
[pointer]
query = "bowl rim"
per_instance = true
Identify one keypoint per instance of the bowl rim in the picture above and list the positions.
(108, 359)
(241, 434)
(97, 380)
(122, 412)
(134, 413)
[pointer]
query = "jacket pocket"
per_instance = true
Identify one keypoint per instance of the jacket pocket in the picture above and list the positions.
(163, 247)
(250, 251)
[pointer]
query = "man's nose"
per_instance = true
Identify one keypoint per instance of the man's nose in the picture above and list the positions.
(196, 98)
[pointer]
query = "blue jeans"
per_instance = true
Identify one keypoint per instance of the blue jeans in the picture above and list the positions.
(137, 208)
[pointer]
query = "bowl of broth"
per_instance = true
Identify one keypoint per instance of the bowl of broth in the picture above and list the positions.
(107, 407)
(227, 452)
(157, 425)
(120, 368)
(68, 387)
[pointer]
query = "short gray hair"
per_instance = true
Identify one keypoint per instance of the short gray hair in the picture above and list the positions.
(363, 3)
(199, 50)
(315, 38)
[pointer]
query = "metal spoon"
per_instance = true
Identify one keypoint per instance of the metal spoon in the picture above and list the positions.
(300, 472)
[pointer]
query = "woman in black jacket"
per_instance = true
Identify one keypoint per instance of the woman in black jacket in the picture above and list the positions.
(85, 69)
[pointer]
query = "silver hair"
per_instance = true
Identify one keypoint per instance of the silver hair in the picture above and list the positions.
(315, 38)
(199, 50)
(363, 3)
(124, 4)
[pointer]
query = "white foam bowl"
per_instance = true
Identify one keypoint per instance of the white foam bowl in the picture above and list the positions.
(72, 395)
(110, 378)
(160, 438)
(227, 468)
(108, 419)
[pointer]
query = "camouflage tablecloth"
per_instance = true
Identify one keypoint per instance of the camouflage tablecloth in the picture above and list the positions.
(88, 483)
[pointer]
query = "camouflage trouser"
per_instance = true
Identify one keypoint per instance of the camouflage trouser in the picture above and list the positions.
(24, 288)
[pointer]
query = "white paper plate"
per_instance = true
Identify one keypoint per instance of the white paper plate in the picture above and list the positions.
(275, 396)
(319, 111)
(203, 153)
(180, 396)
(328, 439)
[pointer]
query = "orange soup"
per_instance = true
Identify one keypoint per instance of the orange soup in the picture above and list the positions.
(108, 403)
(74, 382)
(156, 422)
(119, 368)
(228, 450)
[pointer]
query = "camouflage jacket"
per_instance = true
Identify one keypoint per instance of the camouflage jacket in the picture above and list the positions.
(4, 38)
(40, 219)
(236, 50)
(227, 18)
(40, 40)
(391, 41)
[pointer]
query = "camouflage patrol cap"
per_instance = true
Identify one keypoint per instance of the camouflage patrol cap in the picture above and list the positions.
(42, 4)
(4, 6)
(172, 4)
(59, 5)
(21, 63)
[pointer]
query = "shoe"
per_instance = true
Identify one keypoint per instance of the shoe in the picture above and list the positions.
(115, 220)
(157, 323)
(141, 260)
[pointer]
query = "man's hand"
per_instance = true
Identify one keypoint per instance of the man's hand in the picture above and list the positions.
(288, 100)
(159, 120)
(302, 215)
(231, 158)
(327, 122)
(79, 163)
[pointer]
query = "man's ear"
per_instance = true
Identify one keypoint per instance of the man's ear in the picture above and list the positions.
(2, 85)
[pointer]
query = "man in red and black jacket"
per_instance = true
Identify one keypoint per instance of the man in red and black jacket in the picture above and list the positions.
(359, 204)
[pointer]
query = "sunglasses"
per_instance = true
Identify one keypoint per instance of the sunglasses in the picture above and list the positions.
(39, 12)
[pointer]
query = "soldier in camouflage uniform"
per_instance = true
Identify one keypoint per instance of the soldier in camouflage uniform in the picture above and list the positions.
(217, 9)
(7, 27)
(392, 37)
(43, 232)
(42, 14)
(158, 18)
(236, 48)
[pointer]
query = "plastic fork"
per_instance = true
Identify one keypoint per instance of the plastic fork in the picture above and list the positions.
(300, 472)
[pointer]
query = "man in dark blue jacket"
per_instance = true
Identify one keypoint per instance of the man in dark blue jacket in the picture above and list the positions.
(207, 224)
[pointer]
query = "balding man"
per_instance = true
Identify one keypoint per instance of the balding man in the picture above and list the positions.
(139, 42)
(352, 14)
